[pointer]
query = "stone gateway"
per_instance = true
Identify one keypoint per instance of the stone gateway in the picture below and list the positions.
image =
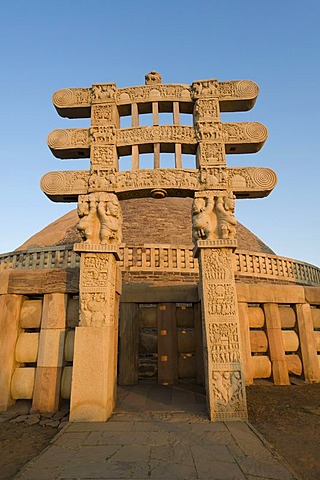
(202, 322)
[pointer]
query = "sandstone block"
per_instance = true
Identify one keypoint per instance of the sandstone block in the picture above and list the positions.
(54, 310)
(47, 389)
(51, 347)
(270, 293)
(22, 383)
(290, 341)
(287, 317)
(312, 295)
(93, 380)
(10, 307)
(256, 317)
(244, 319)
(27, 347)
(258, 341)
(294, 364)
(276, 344)
(4, 281)
(31, 314)
(308, 343)
(261, 366)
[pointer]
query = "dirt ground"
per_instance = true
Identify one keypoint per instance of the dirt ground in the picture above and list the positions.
(287, 417)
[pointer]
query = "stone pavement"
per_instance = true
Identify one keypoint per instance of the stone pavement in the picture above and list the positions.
(157, 432)
(157, 446)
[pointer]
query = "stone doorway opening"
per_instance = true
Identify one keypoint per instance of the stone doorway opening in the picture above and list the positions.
(160, 343)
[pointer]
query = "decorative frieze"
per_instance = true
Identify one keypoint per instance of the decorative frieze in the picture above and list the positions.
(164, 133)
(231, 91)
(249, 136)
(102, 135)
(246, 181)
(231, 133)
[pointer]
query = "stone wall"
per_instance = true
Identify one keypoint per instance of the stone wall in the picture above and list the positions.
(280, 330)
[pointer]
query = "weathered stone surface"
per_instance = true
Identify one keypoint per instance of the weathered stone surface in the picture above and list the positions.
(10, 308)
(22, 383)
(54, 311)
(27, 348)
(270, 293)
(225, 382)
(46, 394)
(93, 381)
(276, 344)
(31, 312)
(44, 281)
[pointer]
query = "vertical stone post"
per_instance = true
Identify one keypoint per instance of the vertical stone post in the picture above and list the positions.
(245, 341)
(95, 349)
(276, 346)
(10, 308)
(46, 394)
(225, 384)
(308, 346)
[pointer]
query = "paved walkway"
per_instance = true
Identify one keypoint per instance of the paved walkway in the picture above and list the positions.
(152, 437)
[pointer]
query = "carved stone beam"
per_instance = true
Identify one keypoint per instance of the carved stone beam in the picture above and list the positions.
(76, 102)
(233, 96)
(238, 95)
(245, 182)
(238, 137)
(242, 137)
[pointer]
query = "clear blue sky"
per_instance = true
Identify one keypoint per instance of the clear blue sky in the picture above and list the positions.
(51, 44)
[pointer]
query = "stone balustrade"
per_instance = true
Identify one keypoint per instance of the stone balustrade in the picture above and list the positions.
(168, 258)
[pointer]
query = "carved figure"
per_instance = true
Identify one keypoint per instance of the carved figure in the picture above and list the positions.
(100, 218)
(110, 219)
(203, 219)
(103, 92)
(152, 78)
(87, 214)
(225, 215)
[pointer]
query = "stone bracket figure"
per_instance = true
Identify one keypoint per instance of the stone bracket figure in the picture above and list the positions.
(225, 215)
(213, 217)
(100, 218)
(203, 220)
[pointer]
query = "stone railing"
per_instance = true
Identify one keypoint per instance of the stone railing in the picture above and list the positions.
(172, 258)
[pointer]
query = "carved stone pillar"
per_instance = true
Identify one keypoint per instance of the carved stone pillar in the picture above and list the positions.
(225, 383)
(96, 338)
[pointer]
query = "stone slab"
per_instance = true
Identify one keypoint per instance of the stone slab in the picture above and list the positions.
(44, 281)
(312, 295)
(93, 381)
(270, 293)
(164, 449)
